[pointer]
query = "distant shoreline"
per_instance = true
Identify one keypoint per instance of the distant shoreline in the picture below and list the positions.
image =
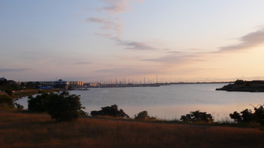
(244, 86)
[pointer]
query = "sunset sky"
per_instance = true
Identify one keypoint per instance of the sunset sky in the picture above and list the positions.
(103, 40)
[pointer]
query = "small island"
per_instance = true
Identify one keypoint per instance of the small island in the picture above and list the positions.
(245, 86)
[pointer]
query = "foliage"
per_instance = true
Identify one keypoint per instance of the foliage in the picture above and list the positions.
(8, 86)
(259, 114)
(64, 107)
(9, 92)
(22, 84)
(236, 116)
(6, 100)
(247, 116)
(3, 82)
(36, 104)
(36, 85)
(197, 116)
(61, 107)
(18, 106)
(143, 116)
(239, 82)
(13, 85)
(30, 85)
(110, 111)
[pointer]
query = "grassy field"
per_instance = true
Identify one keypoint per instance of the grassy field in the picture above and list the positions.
(23, 93)
(38, 130)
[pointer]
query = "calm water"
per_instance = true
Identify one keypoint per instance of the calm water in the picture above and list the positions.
(169, 102)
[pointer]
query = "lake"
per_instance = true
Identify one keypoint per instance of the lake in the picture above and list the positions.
(169, 102)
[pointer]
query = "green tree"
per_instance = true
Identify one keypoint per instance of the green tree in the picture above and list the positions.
(239, 82)
(197, 116)
(30, 85)
(259, 114)
(64, 107)
(13, 85)
(236, 116)
(37, 104)
(110, 111)
(37, 84)
(61, 107)
(3, 82)
(143, 116)
(245, 116)
(6, 100)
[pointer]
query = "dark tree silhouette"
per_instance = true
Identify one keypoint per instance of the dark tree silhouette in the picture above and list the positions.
(61, 107)
(197, 116)
(259, 114)
(110, 111)
(143, 116)
(246, 116)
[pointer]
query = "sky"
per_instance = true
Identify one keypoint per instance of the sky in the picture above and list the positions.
(132, 40)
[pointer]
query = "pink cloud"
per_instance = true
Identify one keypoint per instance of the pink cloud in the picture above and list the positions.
(115, 6)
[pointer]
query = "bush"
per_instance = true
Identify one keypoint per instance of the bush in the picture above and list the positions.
(246, 116)
(110, 111)
(9, 92)
(18, 106)
(143, 116)
(61, 107)
(64, 107)
(6, 100)
(259, 114)
(197, 116)
(239, 82)
(37, 104)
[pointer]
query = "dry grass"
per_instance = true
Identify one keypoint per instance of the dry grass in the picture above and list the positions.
(35, 130)
(3, 93)
(26, 92)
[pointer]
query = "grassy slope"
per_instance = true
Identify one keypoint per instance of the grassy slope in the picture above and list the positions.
(38, 130)
(18, 94)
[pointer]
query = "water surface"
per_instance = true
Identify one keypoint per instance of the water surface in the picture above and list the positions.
(170, 102)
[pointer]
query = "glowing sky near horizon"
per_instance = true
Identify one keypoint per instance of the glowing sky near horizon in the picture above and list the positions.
(94, 40)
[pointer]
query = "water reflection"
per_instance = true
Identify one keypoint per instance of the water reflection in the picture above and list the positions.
(169, 102)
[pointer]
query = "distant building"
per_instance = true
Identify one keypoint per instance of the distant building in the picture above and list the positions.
(76, 83)
(56, 84)
(95, 84)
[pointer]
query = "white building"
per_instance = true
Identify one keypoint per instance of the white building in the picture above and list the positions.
(57, 84)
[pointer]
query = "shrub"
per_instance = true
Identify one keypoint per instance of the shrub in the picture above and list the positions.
(259, 114)
(236, 116)
(36, 104)
(6, 100)
(143, 116)
(61, 107)
(110, 111)
(197, 116)
(239, 82)
(64, 107)
(246, 116)
(18, 106)
(9, 92)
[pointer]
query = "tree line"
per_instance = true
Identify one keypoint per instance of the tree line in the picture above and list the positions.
(65, 107)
